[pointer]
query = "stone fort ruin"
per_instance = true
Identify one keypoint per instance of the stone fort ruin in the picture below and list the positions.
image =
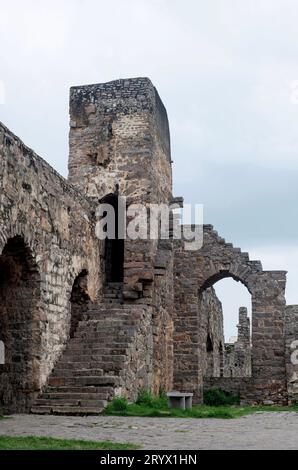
(84, 320)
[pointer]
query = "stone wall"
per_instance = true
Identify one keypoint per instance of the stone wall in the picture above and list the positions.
(188, 368)
(212, 333)
(196, 271)
(42, 213)
(119, 134)
(237, 386)
(138, 373)
(163, 325)
(237, 360)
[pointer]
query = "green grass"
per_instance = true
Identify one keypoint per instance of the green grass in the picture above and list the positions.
(149, 406)
(48, 443)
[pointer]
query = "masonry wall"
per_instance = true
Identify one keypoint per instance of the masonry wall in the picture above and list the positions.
(119, 138)
(119, 134)
(194, 273)
(211, 328)
(163, 321)
(55, 223)
(237, 362)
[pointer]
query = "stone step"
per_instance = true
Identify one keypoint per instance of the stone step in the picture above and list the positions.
(115, 309)
(106, 334)
(108, 366)
(94, 338)
(114, 283)
(105, 326)
(41, 410)
(102, 391)
(77, 411)
(71, 396)
(94, 348)
(106, 322)
(112, 295)
(105, 339)
(66, 411)
(98, 403)
(64, 402)
(84, 381)
(111, 320)
(70, 356)
(57, 372)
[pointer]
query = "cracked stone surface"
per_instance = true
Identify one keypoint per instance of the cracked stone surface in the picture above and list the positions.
(259, 431)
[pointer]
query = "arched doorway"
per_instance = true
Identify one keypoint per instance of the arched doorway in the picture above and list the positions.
(197, 271)
(19, 326)
(226, 325)
(79, 300)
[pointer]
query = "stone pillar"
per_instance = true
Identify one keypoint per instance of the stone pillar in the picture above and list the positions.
(243, 327)
(268, 350)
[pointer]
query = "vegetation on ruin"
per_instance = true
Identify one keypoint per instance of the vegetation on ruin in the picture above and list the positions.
(218, 397)
(48, 443)
(148, 405)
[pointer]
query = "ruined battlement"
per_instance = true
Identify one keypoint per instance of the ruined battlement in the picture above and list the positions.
(117, 129)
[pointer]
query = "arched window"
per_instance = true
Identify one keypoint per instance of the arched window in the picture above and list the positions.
(228, 341)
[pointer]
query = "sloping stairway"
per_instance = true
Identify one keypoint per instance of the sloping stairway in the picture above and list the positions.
(92, 367)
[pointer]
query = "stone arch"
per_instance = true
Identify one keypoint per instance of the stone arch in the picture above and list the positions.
(79, 300)
(217, 260)
(222, 274)
(19, 325)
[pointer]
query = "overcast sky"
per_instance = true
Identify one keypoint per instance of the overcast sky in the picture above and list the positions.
(225, 71)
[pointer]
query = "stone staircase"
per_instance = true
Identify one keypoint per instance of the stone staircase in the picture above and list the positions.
(112, 293)
(92, 368)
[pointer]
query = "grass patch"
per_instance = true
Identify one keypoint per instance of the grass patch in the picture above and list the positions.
(48, 443)
(151, 407)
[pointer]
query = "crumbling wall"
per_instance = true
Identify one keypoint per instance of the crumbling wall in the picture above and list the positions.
(163, 325)
(196, 271)
(212, 333)
(237, 362)
(119, 138)
(119, 134)
(55, 222)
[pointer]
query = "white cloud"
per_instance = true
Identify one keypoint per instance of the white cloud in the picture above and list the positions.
(223, 69)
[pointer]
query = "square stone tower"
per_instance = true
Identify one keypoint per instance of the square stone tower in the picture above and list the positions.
(119, 135)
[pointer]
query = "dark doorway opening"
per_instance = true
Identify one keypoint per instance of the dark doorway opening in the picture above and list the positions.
(114, 246)
(20, 329)
(79, 300)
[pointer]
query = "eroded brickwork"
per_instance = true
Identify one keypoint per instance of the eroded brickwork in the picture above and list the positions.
(212, 333)
(196, 272)
(237, 358)
(54, 224)
(119, 134)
